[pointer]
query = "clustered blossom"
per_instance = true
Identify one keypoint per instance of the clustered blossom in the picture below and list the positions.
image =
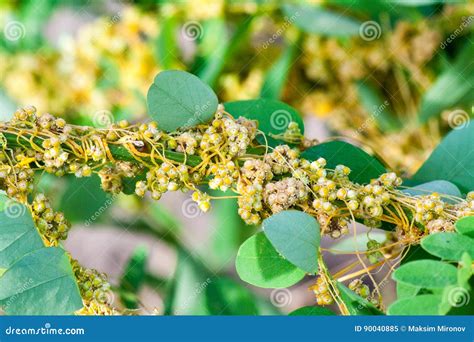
(52, 225)
(321, 292)
(95, 291)
(216, 154)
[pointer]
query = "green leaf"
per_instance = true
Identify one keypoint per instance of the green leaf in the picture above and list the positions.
(40, 283)
(450, 87)
(178, 99)
(465, 226)
(451, 160)
(376, 107)
(276, 76)
(405, 290)
(84, 200)
(359, 243)
(312, 311)
(413, 253)
(465, 270)
(295, 235)
(448, 246)
(259, 264)
(316, 19)
(440, 186)
(427, 304)
(429, 274)
(18, 235)
(225, 297)
(355, 303)
(133, 277)
(34, 279)
(364, 167)
(272, 116)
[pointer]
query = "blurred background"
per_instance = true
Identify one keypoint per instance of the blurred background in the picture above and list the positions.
(392, 77)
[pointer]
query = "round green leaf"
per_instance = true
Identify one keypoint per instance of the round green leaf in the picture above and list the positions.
(178, 99)
(18, 235)
(364, 167)
(40, 283)
(225, 297)
(272, 116)
(448, 246)
(420, 305)
(465, 226)
(405, 290)
(312, 311)
(259, 264)
(295, 235)
(34, 279)
(429, 274)
(451, 160)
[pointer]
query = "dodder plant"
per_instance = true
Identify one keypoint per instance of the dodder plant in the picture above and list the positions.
(255, 152)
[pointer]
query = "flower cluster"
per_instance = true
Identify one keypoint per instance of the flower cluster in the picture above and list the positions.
(216, 154)
(52, 225)
(361, 289)
(321, 292)
(95, 291)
